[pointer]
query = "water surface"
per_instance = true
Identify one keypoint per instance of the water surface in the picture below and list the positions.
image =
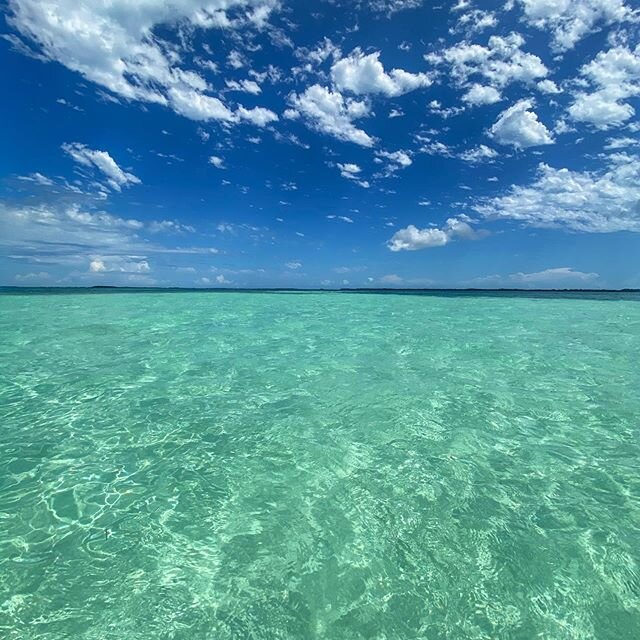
(232, 465)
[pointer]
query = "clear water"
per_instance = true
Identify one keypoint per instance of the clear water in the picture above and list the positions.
(229, 465)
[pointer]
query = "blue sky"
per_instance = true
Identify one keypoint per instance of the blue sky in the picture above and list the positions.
(259, 143)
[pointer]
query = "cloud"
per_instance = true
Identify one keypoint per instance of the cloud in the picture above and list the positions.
(570, 21)
(473, 20)
(258, 116)
(342, 218)
(70, 236)
(247, 86)
(412, 239)
(391, 278)
(101, 160)
(399, 158)
(479, 94)
(37, 178)
(478, 154)
(113, 44)
(118, 264)
(364, 74)
(615, 75)
(351, 171)
(217, 162)
(500, 63)
(200, 107)
(329, 112)
(589, 201)
(392, 6)
(548, 86)
(558, 274)
(32, 276)
(293, 265)
(520, 127)
(348, 169)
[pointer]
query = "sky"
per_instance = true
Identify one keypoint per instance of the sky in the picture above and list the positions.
(320, 144)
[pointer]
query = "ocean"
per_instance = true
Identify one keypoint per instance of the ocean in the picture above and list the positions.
(217, 465)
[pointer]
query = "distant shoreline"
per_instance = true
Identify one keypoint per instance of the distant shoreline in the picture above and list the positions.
(114, 288)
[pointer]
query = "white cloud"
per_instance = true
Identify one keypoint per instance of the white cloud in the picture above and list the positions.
(217, 162)
(331, 113)
(558, 274)
(195, 105)
(571, 20)
(479, 94)
(364, 74)
(198, 106)
(118, 264)
(351, 171)
(396, 113)
(348, 169)
(501, 62)
(392, 6)
(236, 60)
(114, 45)
(259, 116)
(478, 154)
(32, 276)
(68, 235)
(391, 278)
(343, 218)
(248, 86)
(37, 178)
(548, 86)
(621, 143)
(520, 127)
(615, 75)
(400, 158)
(412, 239)
(475, 21)
(293, 265)
(591, 201)
(101, 160)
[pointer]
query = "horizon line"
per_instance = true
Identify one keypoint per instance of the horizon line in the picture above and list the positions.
(319, 289)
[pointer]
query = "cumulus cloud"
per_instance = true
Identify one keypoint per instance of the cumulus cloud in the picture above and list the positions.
(475, 20)
(412, 239)
(519, 126)
(103, 162)
(500, 63)
(548, 86)
(331, 113)
(217, 162)
(113, 44)
(615, 76)
(400, 158)
(364, 74)
(589, 201)
(479, 94)
(571, 20)
(478, 154)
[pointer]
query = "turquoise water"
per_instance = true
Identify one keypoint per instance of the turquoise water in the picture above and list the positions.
(229, 465)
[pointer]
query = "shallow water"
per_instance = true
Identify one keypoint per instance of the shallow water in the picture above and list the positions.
(230, 465)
